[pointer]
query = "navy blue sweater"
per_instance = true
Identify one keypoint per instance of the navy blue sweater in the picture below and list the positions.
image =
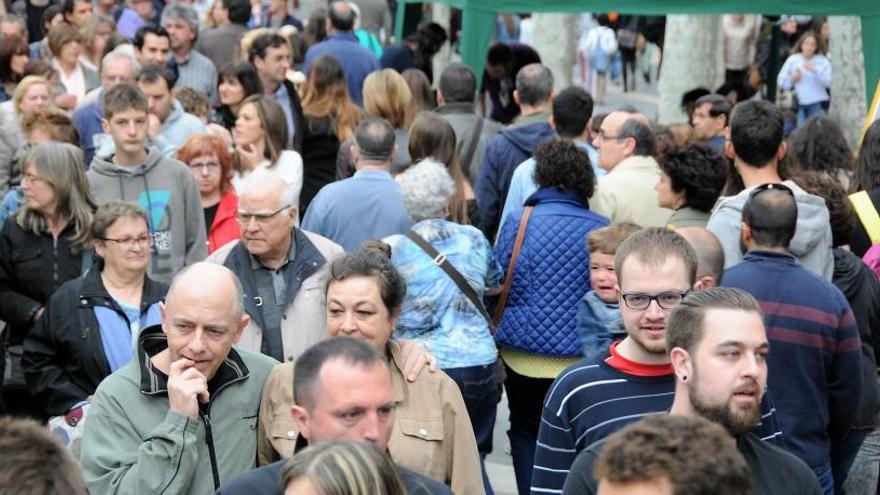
(815, 359)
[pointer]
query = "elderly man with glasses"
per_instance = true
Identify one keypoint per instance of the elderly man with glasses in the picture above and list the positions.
(597, 396)
(281, 268)
(625, 143)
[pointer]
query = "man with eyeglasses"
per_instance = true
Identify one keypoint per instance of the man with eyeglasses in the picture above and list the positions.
(282, 270)
(626, 193)
(590, 400)
(816, 374)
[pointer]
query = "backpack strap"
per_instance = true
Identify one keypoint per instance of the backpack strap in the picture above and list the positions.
(867, 213)
(511, 266)
(441, 261)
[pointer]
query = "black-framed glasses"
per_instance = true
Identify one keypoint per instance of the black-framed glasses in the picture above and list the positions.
(141, 240)
(768, 187)
(244, 218)
(666, 300)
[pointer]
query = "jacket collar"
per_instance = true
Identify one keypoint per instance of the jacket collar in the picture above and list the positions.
(395, 364)
(543, 116)
(343, 36)
(776, 257)
(227, 206)
(556, 195)
(457, 107)
(93, 289)
(635, 162)
(154, 382)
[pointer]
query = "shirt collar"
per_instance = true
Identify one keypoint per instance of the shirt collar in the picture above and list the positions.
(256, 264)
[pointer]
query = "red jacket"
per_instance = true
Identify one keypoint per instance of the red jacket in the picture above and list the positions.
(225, 228)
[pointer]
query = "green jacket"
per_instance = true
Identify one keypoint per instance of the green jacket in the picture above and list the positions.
(134, 444)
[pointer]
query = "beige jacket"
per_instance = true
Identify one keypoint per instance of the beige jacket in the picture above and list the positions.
(304, 322)
(432, 431)
(626, 193)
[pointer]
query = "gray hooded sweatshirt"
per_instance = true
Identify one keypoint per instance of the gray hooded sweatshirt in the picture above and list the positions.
(811, 244)
(166, 190)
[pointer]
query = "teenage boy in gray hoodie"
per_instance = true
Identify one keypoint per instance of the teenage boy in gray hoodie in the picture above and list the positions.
(756, 146)
(161, 186)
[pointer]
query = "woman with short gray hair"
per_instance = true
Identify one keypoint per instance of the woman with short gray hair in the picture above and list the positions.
(448, 268)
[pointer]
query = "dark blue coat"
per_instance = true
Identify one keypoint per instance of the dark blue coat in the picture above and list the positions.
(509, 148)
(551, 275)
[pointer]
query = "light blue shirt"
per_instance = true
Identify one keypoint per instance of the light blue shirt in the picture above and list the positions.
(813, 84)
(283, 99)
(435, 311)
(522, 183)
(367, 205)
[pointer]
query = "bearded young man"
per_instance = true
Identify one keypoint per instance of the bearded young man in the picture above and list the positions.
(719, 349)
(592, 399)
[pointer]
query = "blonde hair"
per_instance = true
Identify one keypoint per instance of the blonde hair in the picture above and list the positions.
(23, 86)
(387, 95)
(345, 467)
(248, 38)
(61, 166)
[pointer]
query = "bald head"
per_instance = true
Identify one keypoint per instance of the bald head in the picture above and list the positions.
(207, 280)
(534, 85)
(340, 16)
(269, 185)
(710, 255)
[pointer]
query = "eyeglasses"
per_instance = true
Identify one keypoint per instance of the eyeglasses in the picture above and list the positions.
(605, 137)
(666, 300)
(130, 242)
(770, 186)
(211, 167)
(244, 218)
(31, 178)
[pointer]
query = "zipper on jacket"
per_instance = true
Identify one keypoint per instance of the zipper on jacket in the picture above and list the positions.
(209, 438)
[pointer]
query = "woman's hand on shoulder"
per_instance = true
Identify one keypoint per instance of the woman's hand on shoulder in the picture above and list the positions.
(415, 357)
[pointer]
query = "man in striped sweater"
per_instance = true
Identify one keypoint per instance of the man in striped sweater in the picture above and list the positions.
(590, 400)
(815, 365)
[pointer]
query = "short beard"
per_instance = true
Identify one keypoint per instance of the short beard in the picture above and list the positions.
(735, 424)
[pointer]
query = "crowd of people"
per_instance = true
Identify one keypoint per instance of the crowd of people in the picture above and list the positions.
(243, 253)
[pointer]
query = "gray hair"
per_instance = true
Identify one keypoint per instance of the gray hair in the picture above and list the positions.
(641, 133)
(121, 54)
(61, 166)
(426, 188)
(181, 12)
(15, 19)
(374, 138)
(534, 83)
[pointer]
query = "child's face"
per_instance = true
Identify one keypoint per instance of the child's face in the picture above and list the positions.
(128, 129)
(602, 276)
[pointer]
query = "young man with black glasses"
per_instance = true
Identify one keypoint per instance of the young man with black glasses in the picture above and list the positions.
(590, 400)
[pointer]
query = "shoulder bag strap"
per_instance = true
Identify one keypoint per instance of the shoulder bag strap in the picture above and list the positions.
(472, 147)
(511, 266)
(867, 214)
(441, 261)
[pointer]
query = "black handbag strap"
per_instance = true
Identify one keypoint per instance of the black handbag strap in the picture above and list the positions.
(441, 261)
(472, 146)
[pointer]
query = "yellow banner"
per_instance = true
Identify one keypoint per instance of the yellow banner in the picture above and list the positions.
(873, 110)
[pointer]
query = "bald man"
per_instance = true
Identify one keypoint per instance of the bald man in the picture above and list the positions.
(710, 254)
(181, 416)
(282, 270)
(625, 143)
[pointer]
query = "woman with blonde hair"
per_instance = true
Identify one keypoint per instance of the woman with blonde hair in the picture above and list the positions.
(329, 118)
(342, 467)
(43, 246)
(261, 141)
(386, 95)
(431, 136)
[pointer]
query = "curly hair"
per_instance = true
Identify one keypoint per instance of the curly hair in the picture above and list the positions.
(562, 164)
(818, 144)
(867, 176)
(839, 206)
(693, 454)
(696, 170)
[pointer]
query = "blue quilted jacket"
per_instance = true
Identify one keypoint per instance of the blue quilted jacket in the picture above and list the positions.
(551, 275)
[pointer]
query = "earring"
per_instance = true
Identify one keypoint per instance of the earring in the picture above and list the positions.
(684, 378)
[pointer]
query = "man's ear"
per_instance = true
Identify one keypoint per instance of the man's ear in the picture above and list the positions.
(516, 96)
(781, 151)
(706, 282)
(163, 313)
(682, 364)
(552, 122)
(394, 153)
(746, 232)
(629, 146)
(440, 98)
(105, 125)
(301, 418)
(729, 152)
(245, 319)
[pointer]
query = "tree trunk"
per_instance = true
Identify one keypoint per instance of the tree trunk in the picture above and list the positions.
(848, 106)
(693, 57)
(555, 39)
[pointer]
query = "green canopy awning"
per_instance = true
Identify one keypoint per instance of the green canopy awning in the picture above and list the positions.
(478, 19)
